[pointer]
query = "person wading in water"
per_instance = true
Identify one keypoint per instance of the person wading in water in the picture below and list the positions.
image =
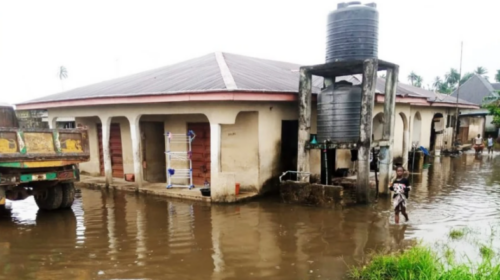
(400, 187)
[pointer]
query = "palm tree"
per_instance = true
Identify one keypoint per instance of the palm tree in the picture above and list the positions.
(497, 76)
(412, 78)
(452, 77)
(481, 71)
(63, 74)
(437, 83)
(418, 81)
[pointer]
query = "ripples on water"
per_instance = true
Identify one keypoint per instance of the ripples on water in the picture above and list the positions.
(115, 235)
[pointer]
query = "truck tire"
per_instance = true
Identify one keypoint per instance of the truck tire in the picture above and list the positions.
(50, 199)
(68, 195)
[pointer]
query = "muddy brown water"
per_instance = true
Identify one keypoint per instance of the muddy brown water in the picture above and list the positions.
(117, 235)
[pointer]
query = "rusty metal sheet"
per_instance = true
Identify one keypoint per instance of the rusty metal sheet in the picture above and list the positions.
(39, 142)
(8, 143)
(71, 142)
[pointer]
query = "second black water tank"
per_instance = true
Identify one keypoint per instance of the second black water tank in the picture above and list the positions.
(339, 113)
(352, 32)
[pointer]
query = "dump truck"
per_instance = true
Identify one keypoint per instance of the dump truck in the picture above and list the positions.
(39, 162)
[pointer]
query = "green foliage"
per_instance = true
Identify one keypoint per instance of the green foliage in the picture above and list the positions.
(457, 233)
(494, 109)
(422, 263)
(497, 76)
(481, 71)
(415, 79)
(466, 77)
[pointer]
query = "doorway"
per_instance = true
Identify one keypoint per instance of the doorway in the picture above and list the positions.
(153, 152)
(200, 152)
(115, 149)
(289, 146)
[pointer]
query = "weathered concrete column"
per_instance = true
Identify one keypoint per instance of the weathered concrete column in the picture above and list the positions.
(388, 130)
(135, 134)
(106, 151)
(406, 145)
(52, 122)
(370, 67)
(305, 85)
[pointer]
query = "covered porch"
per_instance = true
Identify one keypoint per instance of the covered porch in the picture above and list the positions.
(233, 144)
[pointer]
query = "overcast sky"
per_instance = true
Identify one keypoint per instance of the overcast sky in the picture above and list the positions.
(104, 39)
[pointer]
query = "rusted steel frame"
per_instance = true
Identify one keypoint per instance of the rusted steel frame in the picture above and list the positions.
(305, 87)
(370, 67)
(385, 154)
(342, 68)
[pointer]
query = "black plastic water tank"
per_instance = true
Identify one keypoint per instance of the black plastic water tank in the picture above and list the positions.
(352, 32)
(339, 113)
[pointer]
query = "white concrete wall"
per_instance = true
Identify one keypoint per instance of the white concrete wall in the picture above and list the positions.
(476, 126)
(240, 150)
(92, 166)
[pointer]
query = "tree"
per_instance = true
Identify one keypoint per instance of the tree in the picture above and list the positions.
(412, 78)
(465, 77)
(494, 109)
(418, 81)
(63, 74)
(497, 76)
(481, 71)
(452, 78)
(437, 82)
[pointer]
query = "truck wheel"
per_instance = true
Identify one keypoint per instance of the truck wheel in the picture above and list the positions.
(50, 199)
(68, 195)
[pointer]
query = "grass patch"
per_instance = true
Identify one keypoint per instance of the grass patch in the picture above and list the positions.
(457, 233)
(486, 252)
(422, 263)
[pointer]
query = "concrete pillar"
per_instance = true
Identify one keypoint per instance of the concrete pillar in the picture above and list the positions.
(406, 145)
(305, 85)
(52, 122)
(215, 149)
(370, 67)
(388, 131)
(135, 134)
(106, 151)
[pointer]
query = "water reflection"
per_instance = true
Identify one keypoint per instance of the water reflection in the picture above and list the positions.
(116, 235)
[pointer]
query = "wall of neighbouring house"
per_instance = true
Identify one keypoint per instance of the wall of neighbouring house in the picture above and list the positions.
(476, 126)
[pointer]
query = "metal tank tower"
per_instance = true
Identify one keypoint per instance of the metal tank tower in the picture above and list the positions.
(345, 111)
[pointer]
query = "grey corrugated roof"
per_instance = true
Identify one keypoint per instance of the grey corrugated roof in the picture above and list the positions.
(201, 74)
(216, 72)
(475, 89)
(496, 86)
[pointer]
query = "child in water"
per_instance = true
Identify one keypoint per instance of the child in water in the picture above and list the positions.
(400, 187)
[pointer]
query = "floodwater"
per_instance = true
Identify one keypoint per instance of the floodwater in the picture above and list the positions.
(116, 235)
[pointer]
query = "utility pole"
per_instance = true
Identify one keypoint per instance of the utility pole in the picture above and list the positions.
(458, 90)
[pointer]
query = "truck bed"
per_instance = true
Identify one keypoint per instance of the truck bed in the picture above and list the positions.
(36, 148)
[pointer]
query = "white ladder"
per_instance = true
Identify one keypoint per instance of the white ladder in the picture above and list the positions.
(183, 156)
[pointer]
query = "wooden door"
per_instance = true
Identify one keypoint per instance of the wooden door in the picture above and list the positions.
(201, 152)
(115, 145)
(464, 135)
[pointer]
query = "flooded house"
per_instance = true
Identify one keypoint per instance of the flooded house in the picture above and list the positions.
(242, 112)
(477, 90)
